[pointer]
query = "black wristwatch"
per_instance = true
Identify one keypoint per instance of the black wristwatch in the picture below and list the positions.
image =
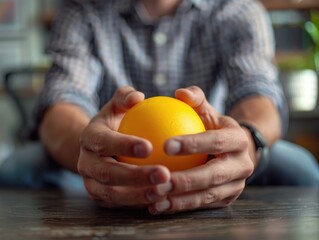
(261, 147)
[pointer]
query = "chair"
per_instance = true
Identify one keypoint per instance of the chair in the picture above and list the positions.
(22, 85)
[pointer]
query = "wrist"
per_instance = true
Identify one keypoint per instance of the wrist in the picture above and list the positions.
(258, 148)
(60, 131)
(253, 153)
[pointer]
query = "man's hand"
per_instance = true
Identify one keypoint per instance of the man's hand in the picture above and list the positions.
(113, 184)
(109, 182)
(221, 180)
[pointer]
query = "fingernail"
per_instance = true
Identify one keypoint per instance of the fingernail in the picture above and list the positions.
(139, 150)
(173, 147)
(164, 188)
(151, 196)
(191, 91)
(162, 206)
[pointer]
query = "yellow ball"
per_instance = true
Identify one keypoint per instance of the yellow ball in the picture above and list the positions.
(158, 119)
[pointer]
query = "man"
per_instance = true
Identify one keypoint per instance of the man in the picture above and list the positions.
(102, 49)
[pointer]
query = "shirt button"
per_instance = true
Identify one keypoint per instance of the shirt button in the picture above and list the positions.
(160, 80)
(160, 38)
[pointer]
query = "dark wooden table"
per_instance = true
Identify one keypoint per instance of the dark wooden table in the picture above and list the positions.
(260, 213)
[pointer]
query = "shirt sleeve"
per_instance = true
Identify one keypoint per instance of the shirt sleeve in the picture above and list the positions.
(247, 53)
(75, 72)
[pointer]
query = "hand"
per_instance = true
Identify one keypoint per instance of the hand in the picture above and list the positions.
(221, 180)
(109, 182)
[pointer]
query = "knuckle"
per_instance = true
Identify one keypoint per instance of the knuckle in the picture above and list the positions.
(107, 195)
(182, 204)
(188, 183)
(220, 176)
(82, 172)
(219, 143)
(206, 116)
(121, 91)
(191, 145)
(199, 94)
(210, 196)
(87, 186)
(244, 143)
(185, 182)
(121, 94)
(80, 168)
(86, 136)
(104, 175)
(249, 169)
(97, 142)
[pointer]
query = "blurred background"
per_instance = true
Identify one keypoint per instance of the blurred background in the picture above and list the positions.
(25, 26)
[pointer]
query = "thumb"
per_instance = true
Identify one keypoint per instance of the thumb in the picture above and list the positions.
(125, 98)
(195, 97)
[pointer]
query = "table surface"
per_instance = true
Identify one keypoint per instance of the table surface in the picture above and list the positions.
(260, 213)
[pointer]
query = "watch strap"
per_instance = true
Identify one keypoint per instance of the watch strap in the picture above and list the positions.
(261, 146)
(259, 140)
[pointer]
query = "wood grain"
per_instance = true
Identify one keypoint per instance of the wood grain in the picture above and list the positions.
(265, 213)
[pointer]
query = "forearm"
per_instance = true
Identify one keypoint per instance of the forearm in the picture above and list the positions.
(262, 114)
(60, 131)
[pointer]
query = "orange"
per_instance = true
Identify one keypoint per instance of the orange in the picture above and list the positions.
(158, 119)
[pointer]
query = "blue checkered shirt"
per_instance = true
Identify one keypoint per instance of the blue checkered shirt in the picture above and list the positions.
(98, 46)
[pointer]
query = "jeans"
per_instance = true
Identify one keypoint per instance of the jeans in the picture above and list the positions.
(289, 165)
(32, 167)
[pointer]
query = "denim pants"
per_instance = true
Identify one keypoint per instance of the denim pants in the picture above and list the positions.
(32, 167)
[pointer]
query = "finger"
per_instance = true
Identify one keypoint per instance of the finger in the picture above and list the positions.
(110, 172)
(226, 139)
(160, 207)
(195, 97)
(96, 138)
(119, 196)
(124, 98)
(219, 196)
(220, 170)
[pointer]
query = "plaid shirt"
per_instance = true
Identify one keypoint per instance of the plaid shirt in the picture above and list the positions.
(97, 46)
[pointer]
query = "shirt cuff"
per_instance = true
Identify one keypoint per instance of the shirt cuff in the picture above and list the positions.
(46, 100)
(255, 89)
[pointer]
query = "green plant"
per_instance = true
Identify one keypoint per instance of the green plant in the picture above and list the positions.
(312, 28)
